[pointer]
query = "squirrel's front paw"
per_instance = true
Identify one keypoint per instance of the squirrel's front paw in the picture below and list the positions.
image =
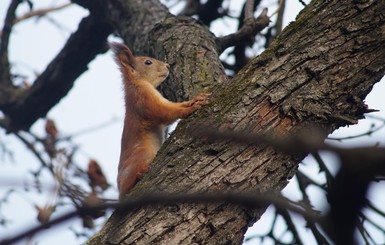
(198, 100)
(202, 96)
(201, 99)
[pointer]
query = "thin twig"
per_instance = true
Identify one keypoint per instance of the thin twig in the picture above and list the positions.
(34, 13)
(40, 12)
(370, 221)
(364, 233)
(30, 146)
(371, 130)
(323, 168)
(280, 9)
(302, 2)
(246, 199)
(300, 142)
(290, 224)
(90, 129)
(375, 209)
(321, 239)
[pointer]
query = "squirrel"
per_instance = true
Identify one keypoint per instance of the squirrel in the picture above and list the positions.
(147, 113)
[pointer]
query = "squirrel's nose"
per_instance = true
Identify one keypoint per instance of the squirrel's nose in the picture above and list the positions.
(168, 66)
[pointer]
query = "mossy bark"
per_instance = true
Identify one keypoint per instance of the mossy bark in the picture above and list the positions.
(316, 74)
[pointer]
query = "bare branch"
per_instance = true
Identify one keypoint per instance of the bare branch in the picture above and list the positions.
(4, 62)
(210, 11)
(280, 11)
(373, 128)
(241, 59)
(91, 129)
(60, 75)
(40, 12)
(250, 28)
(323, 168)
(290, 224)
(249, 200)
(192, 7)
(303, 182)
(31, 147)
(302, 2)
(37, 13)
(249, 10)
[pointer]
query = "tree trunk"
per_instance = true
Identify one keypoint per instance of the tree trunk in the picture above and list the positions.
(316, 74)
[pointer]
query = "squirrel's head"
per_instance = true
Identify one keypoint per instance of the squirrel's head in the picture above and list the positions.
(139, 68)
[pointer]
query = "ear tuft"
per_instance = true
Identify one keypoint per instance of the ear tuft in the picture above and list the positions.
(117, 47)
(123, 55)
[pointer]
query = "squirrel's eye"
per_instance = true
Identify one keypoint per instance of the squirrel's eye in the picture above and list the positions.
(148, 62)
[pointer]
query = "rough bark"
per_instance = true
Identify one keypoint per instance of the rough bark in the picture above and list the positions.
(316, 74)
(134, 19)
(191, 51)
(178, 41)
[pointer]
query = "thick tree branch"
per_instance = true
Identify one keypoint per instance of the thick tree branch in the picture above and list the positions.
(182, 41)
(179, 41)
(248, 200)
(5, 78)
(305, 79)
(251, 200)
(134, 20)
(58, 78)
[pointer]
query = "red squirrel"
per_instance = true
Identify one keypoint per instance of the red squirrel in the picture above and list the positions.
(147, 113)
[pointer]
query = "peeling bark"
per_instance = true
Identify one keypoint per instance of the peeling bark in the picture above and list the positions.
(316, 74)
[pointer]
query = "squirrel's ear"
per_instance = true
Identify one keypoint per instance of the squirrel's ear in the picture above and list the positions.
(123, 55)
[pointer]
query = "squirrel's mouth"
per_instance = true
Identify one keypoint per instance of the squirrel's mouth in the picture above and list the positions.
(165, 75)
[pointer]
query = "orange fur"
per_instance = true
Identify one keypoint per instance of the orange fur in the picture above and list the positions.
(147, 113)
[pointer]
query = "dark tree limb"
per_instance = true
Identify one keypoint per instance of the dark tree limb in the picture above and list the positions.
(26, 106)
(303, 183)
(249, 10)
(249, 29)
(90, 208)
(240, 50)
(305, 79)
(284, 213)
(347, 195)
(207, 12)
(22, 107)
(191, 8)
(5, 76)
(210, 11)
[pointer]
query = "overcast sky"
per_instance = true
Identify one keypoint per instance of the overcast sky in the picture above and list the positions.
(96, 98)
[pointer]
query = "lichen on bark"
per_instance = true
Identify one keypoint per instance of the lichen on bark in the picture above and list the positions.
(316, 74)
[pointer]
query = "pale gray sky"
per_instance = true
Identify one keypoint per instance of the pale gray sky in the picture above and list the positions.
(96, 98)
